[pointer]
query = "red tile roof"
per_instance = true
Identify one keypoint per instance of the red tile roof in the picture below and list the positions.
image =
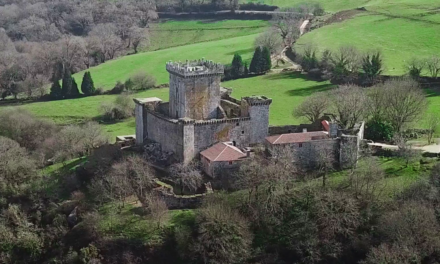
(297, 137)
(326, 125)
(223, 151)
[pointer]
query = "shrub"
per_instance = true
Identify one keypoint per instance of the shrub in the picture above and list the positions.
(119, 88)
(372, 65)
(140, 81)
(17, 169)
(99, 91)
(308, 59)
(415, 67)
(379, 130)
(122, 108)
(25, 128)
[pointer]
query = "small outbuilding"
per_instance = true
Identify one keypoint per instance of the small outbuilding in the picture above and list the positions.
(221, 156)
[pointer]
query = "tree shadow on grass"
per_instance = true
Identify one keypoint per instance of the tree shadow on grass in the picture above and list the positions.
(309, 90)
(241, 52)
(320, 87)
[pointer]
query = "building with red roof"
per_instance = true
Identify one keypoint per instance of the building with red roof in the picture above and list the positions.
(223, 155)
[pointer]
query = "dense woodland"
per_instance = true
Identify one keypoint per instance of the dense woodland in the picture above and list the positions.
(40, 40)
(270, 212)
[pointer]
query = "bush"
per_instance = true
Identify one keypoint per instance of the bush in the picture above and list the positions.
(415, 67)
(140, 81)
(99, 91)
(122, 108)
(118, 89)
(25, 128)
(379, 131)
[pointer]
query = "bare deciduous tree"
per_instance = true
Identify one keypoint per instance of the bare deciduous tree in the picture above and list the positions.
(313, 107)
(433, 65)
(433, 123)
(271, 40)
(187, 175)
(157, 209)
(287, 22)
(138, 37)
(349, 105)
(405, 150)
(405, 100)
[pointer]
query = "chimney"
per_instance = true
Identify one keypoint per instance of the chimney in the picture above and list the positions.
(247, 151)
(304, 130)
(333, 129)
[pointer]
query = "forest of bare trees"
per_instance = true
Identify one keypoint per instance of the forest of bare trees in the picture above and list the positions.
(39, 39)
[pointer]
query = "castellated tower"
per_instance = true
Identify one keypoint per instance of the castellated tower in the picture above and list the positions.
(194, 89)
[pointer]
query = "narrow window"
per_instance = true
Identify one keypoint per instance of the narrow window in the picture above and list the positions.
(238, 124)
(230, 162)
(242, 132)
(234, 143)
(300, 145)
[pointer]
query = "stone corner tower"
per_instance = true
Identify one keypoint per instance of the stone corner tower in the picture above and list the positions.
(257, 108)
(194, 89)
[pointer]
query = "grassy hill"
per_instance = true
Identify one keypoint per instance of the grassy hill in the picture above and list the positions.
(106, 75)
(167, 33)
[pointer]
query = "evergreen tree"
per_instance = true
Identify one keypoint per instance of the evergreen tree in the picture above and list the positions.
(66, 89)
(246, 69)
(266, 60)
(256, 61)
(237, 69)
(87, 85)
(74, 92)
(55, 90)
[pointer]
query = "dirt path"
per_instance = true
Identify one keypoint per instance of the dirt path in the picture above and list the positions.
(292, 65)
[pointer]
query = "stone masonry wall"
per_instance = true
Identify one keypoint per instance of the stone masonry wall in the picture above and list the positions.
(259, 115)
(166, 132)
(208, 133)
(196, 97)
(232, 109)
(308, 153)
(278, 130)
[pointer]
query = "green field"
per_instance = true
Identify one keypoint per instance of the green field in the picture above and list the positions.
(329, 5)
(166, 34)
(107, 74)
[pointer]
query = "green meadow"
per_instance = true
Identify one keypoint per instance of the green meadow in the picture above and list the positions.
(107, 74)
(167, 34)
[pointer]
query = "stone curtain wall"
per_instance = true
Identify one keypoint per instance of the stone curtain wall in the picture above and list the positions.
(174, 201)
(278, 130)
(232, 109)
(210, 132)
(166, 132)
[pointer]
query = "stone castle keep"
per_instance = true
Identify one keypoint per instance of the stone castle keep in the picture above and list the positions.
(200, 113)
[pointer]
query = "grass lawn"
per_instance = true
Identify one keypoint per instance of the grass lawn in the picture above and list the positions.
(398, 176)
(106, 74)
(286, 89)
(329, 5)
(168, 33)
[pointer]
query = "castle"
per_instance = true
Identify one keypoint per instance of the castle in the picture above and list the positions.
(200, 113)
(201, 120)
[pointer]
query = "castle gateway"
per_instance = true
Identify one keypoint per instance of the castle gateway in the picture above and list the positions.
(200, 113)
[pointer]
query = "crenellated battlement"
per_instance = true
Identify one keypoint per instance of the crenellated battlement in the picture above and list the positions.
(257, 100)
(195, 68)
(220, 121)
